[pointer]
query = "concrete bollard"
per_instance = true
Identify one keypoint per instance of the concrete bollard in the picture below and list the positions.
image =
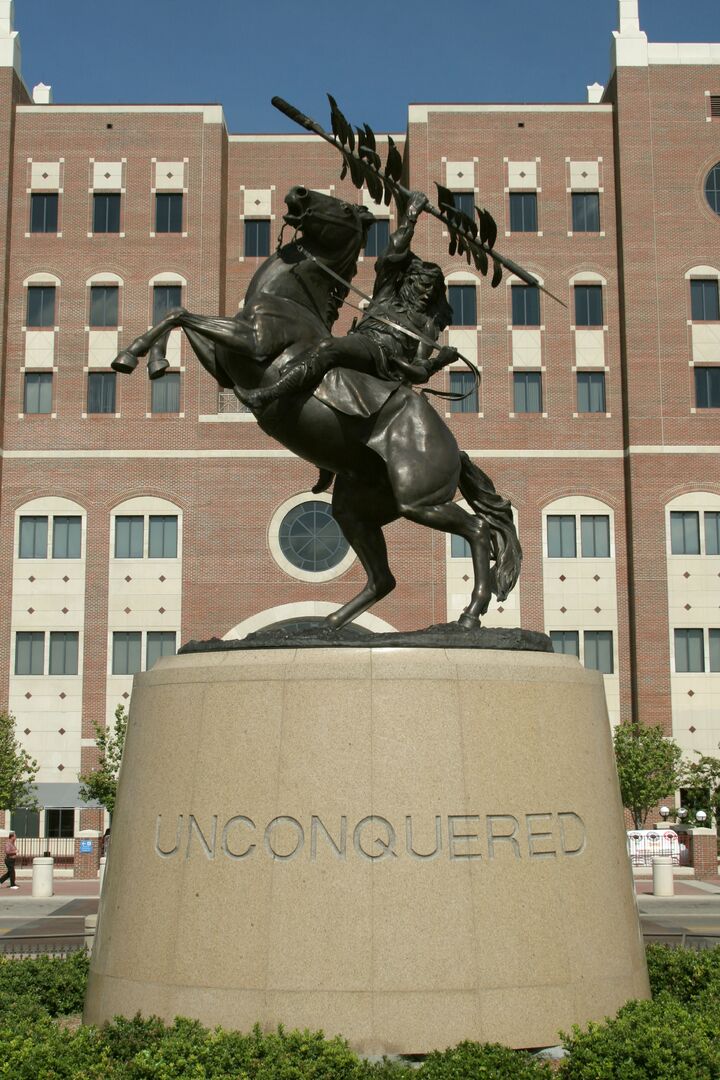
(101, 871)
(42, 876)
(90, 930)
(662, 871)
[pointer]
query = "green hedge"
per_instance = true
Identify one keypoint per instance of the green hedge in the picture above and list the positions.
(676, 1036)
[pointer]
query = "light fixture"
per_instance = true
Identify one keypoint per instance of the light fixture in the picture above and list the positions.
(664, 812)
(682, 813)
(701, 816)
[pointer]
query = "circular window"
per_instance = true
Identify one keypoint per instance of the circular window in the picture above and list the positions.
(712, 188)
(311, 539)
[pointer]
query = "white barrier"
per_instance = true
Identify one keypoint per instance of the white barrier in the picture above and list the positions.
(42, 876)
(645, 844)
(662, 871)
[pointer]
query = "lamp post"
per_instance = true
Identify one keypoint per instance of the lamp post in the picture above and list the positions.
(664, 812)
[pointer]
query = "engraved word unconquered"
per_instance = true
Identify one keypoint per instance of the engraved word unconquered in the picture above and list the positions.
(373, 838)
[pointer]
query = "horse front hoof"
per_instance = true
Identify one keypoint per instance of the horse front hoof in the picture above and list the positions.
(157, 367)
(124, 362)
(468, 622)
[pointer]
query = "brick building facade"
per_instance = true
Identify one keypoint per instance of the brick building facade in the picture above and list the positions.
(136, 516)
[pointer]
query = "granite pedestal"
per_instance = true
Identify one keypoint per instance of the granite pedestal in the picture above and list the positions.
(409, 847)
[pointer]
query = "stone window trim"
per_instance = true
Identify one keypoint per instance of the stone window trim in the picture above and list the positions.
(133, 647)
(146, 508)
(42, 643)
(50, 507)
(579, 506)
(273, 541)
(704, 504)
(35, 280)
(695, 650)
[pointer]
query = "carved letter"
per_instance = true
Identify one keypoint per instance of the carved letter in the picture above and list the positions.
(209, 849)
(549, 853)
(453, 837)
(570, 816)
(387, 847)
(315, 824)
(283, 819)
(504, 837)
(225, 845)
(409, 839)
(173, 851)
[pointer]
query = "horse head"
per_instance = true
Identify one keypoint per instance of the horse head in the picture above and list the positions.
(332, 229)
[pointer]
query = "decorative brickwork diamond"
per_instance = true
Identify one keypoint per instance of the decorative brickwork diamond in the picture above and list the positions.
(61, 731)
(31, 611)
(127, 610)
(563, 609)
(688, 606)
(61, 768)
(686, 575)
(501, 608)
(161, 610)
(596, 577)
(691, 693)
(106, 175)
(66, 579)
(465, 577)
(563, 578)
(28, 695)
(31, 578)
(692, 730)
(27, 730)
(44, 175)
(128, 578)
(65, 610)
(598, 610)
(126, 695)
(162, 578)
(62, 695)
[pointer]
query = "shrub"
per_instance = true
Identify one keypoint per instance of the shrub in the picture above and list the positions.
(660, 1039)
(482, 1061)
(684, 973)
(56, 984)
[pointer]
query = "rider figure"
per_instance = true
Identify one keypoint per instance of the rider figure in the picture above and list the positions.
(409, 293)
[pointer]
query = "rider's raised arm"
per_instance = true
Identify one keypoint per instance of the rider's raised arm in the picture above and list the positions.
(400, 240)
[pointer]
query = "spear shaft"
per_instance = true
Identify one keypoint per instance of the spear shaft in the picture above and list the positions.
(311, 125)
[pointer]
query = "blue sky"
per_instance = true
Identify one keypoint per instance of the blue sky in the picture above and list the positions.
(374, 56)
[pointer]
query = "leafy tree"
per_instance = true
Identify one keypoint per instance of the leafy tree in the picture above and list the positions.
(100, 783)
(648, 766)
(701, 781)
(17, 769)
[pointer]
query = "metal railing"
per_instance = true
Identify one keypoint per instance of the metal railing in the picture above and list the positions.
(33, 847)
(683, 940)
(25, 946)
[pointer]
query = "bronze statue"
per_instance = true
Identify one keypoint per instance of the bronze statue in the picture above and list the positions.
(347, 404)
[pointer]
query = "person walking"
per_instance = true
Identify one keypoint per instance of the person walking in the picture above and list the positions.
(11, 853)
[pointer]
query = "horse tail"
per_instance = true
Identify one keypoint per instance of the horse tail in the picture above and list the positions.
(479, 491)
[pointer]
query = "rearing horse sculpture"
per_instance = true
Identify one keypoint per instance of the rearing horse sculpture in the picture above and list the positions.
(402, 461)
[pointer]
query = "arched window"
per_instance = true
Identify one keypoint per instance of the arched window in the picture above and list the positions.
(712, 188)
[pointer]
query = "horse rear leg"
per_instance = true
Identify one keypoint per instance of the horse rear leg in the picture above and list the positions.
(449, 517)
(365, 536)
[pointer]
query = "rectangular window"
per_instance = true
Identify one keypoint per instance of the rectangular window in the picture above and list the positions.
(465, 202)
(106, 213)
(63, 652)
(561, 536)
(67, 534)
(41, 305)
(714, 650)
(129, 534)
(566, 642)
(459, 547)
(44, 212)
(104, 305)
(168, 212)
(60, 823)
(689, 650)
(29, 652)
(463, 382)
(591, 392)
(599, 651)
(523, 211)
(525, 305)
(585, 211)
(101, 392)
(126, 653)
(165, 298)
(595, 536)
(712, 532)
(163, 536)
(707, 387)
(527, 392)
(704, 300)
(257, 238)
(37, 392)
(463, 301)
(159, 643)
(685, 532)
(378, 237)
(165, 393)
(26, 824)
(33, 538)
(588, 305)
